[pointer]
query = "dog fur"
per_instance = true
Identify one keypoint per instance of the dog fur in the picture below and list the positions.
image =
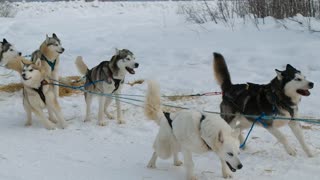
(112, 73)
(279, 97)
(191, 132)
(49, 52)
(37, 95)
(10, 57)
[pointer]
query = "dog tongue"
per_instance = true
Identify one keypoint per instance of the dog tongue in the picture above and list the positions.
(303, 92)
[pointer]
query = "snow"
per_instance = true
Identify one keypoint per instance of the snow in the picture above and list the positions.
(169, 49)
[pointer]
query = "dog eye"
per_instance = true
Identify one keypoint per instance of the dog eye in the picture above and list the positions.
(298, 79)
(128, 59)
(11, 49)
(30, 70)
(230, 154)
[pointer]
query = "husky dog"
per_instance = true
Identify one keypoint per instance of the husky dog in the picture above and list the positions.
(49, 53)
(7, 54)
(37, 95)
(112, 74)
(190, 131)
(280, 97)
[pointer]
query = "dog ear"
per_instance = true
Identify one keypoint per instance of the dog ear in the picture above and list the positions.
(220, 137)
(236, 132)
(289, 67)
(47, 39)
(4, 41)
(38, 62)
(117, 51)
(279, 74)
(54, 36)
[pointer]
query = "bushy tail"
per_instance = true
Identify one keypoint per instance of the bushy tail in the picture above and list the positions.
(82, 67)
(152, 108)
(221, 71)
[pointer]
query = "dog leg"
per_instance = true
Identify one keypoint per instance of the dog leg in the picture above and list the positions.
(188, 162)
(297, 131)
(88, 98)
(226, 172)
(101, 119)
(152, 162)
(53, 106)
(52, 117)
(119, 111)
(106, 105)
(55, 88)
(29, 115)
(47, 124)
(282, 139)
(176, 160)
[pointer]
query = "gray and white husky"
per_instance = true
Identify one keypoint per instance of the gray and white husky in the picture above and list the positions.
(279, 97)
(112, 74)
(37, 95)
(49, 53)
(189, 131)
(7, 52)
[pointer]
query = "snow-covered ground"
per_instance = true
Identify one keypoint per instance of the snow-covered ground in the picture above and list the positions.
(176, 53)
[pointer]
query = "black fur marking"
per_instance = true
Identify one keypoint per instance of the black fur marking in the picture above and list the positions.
(167, 115)
(203, 117)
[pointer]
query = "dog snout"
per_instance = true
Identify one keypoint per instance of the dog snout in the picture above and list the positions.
(136, 65)
(19, 53)
(23, 75)
(239, 166)
(62, 49)
(311, 85)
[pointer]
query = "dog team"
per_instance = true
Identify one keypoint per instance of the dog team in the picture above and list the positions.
(185, 131)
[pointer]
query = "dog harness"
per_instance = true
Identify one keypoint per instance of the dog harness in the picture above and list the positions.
(40, 91)
(167, 115)
(51, 64)
(109, 79)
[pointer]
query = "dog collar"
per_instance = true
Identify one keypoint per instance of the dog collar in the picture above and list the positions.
(51, 64)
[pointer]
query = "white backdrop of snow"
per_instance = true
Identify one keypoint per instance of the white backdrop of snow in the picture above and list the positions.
(176, 53)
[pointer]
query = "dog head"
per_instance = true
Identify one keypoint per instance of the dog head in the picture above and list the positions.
(53, 44)
(228, 149)
(294, 83)
(124, 61)
(32, 74)
(7, 52)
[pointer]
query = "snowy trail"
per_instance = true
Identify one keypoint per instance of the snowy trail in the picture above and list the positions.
(174, 52)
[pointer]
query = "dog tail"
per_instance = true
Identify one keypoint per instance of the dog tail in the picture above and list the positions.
(221, 71)
(82, 67)
(152, 108)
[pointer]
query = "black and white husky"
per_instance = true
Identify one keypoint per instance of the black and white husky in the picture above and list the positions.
(7, 52)
(190, 132)
(112, 74)
(280, 97)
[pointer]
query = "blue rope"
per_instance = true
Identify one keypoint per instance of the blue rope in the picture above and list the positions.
(258, 119)
(120, 96)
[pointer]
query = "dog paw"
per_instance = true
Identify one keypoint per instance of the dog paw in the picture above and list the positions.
(121, 121)
(227, 175)
(291, 151)
(151, 166)
(109, 116)
(87, 120)
(103, 123)
(178, 163)
(53, 120)
(50, 126)
(311, 154)
(28, 123)
(63, 125)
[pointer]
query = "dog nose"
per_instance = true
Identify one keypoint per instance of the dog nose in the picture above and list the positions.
(136, 65)
(311, 84)
(62, 49)
(20, 53)
(23, 75)
(240, 166)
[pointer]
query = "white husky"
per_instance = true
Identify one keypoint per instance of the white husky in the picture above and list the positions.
(37, 95)
(189, 131)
